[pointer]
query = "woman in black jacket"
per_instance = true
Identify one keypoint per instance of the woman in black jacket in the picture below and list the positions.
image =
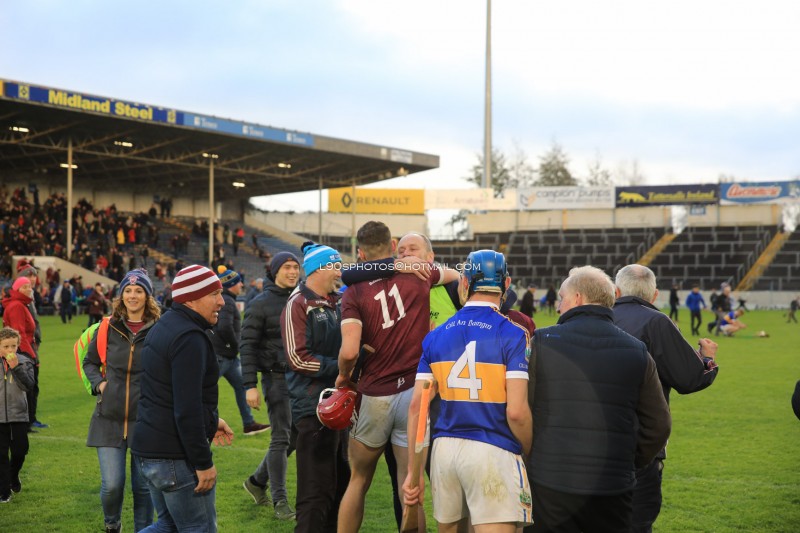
(118, 388)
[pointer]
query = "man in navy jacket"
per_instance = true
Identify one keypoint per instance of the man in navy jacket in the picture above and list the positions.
(178, 416)
(680, 367)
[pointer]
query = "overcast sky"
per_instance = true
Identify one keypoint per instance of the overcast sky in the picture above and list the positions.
(688, 89)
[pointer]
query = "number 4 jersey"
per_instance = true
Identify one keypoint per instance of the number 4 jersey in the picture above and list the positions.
(394, 314)
(471, 356)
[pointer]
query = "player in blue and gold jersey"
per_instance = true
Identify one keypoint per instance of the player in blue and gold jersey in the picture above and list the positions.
(478, 360)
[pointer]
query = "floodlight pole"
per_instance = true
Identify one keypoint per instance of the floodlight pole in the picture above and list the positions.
(319, 219)
(353, 225)
(487, 117)
(69, 198)
(210, 211)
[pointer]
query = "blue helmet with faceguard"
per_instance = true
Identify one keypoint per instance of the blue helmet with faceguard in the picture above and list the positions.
(485, 270)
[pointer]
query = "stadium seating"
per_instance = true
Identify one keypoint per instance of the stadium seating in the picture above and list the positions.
(783, 274)
(545, 257)
(708, 256)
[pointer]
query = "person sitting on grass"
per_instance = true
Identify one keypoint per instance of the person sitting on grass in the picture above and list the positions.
(731, 323)
(17, 370)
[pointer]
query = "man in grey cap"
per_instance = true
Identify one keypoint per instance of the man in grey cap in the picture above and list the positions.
(262, 351)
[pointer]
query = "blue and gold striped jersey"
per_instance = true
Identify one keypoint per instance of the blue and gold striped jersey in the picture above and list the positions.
(471, 356)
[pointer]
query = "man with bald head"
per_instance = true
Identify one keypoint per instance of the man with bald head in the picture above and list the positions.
(680, 367)
(590, 436)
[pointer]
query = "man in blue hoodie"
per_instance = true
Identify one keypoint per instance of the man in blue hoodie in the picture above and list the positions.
(695, 302)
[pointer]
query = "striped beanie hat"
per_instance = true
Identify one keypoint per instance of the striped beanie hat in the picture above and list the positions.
(194, 282)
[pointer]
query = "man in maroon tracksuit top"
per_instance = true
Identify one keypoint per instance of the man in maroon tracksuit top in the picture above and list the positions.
(311, 342)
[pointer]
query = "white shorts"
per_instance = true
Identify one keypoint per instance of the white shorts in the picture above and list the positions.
(381, 418)
(475, 479)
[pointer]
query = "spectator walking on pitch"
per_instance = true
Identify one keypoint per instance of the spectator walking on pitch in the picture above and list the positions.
(263, 351)
(674, 302)
(26, 269)
(225, 339)
(695, 303)
(793, 306)
(178, 415)
(680, 367)
(116, 381)
(585, 453)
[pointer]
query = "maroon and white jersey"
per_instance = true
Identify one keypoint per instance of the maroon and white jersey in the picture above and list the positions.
(394, 314)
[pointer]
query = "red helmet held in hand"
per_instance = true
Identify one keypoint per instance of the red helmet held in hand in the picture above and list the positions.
(335, 407)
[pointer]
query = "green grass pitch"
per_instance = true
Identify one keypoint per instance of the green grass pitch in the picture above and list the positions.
(732, 466)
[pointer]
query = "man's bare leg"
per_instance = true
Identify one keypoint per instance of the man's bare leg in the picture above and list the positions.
(363, 460)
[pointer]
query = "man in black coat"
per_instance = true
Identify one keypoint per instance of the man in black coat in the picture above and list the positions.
(227, 332)
(598, 412)
(527, 305)
(680, 367)
(262, 351)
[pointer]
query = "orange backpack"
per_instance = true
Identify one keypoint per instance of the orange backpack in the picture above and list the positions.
(82, 346)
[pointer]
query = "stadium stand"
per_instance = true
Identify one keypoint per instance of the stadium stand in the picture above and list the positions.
(710, 256)
(545, 257)
(783, 274)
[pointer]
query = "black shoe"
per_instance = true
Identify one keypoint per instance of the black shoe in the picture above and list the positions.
(31, 430)
(16, 485)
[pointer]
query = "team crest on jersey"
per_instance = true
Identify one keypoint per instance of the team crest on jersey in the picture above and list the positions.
(525, 499)
(528, 353)
(400, 382)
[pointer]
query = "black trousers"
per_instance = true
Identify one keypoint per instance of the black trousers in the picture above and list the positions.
(14, 439)
(323, 473)
(559, 512)
(33, 394)
(696, 321)
(673, 310)
(647, 497)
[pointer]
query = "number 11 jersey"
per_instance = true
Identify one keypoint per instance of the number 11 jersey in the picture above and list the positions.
(394, 315)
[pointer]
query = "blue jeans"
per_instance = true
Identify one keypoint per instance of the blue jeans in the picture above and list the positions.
(171, 483)
(231, 369)
(112, 488)
(272, 470)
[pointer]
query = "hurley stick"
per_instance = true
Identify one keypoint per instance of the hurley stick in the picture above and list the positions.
(410, 513)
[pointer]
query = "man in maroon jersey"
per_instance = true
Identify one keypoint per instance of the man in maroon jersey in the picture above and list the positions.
(393, 316)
